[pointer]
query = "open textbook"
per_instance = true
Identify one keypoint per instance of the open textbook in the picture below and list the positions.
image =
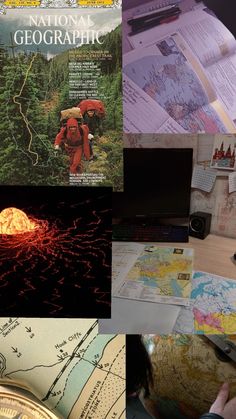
(61, 94)
(152, 273)
(181, 77)
(71, 369)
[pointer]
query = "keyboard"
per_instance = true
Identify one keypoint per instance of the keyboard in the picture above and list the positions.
(150, 233)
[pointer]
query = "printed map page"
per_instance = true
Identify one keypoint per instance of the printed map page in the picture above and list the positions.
(74, 371)
(213, 306)
(160, 274)
(165, 74)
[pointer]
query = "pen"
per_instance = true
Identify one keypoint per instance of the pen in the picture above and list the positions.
(141, 27)
(154, 16)
(150, 19)
(153, 12)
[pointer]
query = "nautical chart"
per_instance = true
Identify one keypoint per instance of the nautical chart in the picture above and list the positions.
(74, 371)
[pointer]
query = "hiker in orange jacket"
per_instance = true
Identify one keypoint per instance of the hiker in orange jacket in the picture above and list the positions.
(74, 137)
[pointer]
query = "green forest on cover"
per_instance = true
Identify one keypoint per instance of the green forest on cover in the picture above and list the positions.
(44, 95)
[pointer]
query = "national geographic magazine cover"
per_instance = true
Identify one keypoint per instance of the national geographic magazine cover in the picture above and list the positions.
(60, 93)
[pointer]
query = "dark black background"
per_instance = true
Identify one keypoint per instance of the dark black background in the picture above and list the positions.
(225, 10)
(79, 220)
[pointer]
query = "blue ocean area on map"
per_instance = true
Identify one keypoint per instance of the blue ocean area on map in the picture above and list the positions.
(81, 373)
(212, 289)
(212, 306)
(200, 289)
(176, 288)
(147, 281)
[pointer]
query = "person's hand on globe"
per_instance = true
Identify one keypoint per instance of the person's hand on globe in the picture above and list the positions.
(222, 406)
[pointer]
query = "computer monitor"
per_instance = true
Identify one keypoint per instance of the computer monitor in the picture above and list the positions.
(157, 184)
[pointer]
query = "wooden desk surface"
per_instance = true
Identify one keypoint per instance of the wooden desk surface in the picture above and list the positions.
(213, 254)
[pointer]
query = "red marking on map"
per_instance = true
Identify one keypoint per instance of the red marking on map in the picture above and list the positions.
(207, 319)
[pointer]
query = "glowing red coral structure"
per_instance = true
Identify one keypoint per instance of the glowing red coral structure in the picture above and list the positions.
(14, 221)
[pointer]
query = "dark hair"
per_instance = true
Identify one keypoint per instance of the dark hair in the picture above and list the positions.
(138, 366)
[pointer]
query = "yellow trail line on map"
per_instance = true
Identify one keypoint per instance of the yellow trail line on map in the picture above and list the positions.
(22, 114)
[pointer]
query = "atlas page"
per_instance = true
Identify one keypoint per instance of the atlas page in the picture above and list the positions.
(159, 274)
(174, 69)
(214, 46)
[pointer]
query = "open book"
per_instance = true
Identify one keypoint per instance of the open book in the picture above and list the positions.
(152, 273)
(181, 77)
(72, 370)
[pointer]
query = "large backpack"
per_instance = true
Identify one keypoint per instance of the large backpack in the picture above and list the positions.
(71, 113)
(95, 104)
